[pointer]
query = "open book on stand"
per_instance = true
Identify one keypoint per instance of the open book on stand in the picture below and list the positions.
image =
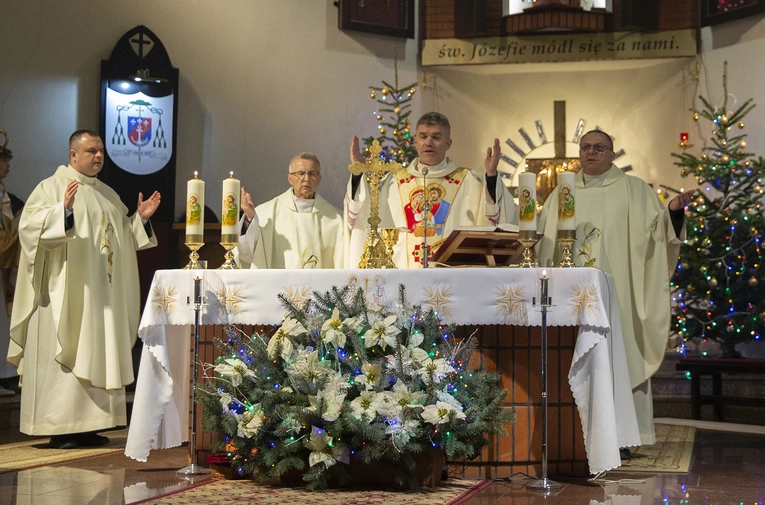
(481, 246)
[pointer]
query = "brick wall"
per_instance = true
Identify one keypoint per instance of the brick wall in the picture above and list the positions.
(677, 14)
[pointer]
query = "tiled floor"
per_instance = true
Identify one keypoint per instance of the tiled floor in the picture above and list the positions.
(727, 468)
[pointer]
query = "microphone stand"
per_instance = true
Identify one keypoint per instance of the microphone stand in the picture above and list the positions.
(426, 208)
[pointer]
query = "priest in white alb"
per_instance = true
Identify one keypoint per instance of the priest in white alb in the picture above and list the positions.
(297, 229)
(457, 197)
(76, 307)
(625, 230)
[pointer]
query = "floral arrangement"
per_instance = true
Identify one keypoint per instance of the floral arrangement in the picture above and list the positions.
(341, 383)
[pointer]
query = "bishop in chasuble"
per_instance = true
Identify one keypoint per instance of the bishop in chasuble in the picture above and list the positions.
(457, 197)
(76, 311)
(297, 229)
(625, 230)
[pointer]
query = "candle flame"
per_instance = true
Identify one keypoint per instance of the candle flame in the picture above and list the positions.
(195, 174)
(231, 174)
(544, 273)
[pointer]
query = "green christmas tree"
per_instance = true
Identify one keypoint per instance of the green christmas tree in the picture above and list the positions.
(393, 123)
(719, 288)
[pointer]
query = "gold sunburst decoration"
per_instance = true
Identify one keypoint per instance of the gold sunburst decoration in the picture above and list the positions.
(297, 294)
(231, 299)
(511, 302)
(163, 300)
(440, 299)
(584, 300)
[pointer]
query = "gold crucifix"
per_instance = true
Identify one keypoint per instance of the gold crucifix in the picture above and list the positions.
(375, 254)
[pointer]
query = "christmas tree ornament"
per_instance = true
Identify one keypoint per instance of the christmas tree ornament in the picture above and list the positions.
(724, 119)
(395, 133)
(379, 117)
(713, 281)
(382, 130)
(725, 158)
(703, 269)
(412, 91)
(385, 91)
(696, 116)
(741, 125)
(714, 132)
(373, 95)
(753, 281)
(747, 163)
(397, 110)
(742, 144)
(684, 264)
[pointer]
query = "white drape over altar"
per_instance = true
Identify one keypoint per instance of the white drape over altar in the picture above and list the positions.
(583, 297)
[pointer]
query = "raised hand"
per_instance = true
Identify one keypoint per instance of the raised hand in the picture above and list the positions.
(356, 155)
(146, 208)
(681, 200)
(247, 206)
(492, 159)
(69, 192)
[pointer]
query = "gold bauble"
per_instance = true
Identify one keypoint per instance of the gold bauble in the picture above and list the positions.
(742, 144)
(725, 158)
(385, 91)
(703, 269)
(703, 156)
(684, 264)
(683, 172)
(696, 116)
(713, 281)
(706, 243)
(723, 142)
(747, 163)
(379, 117)
(397, 110)
(753, 281)
(395, 133)
(754, 231)
(724, 119)
(382, 131)
(373, 95)
(690, 287)
(734, 222)
(741, 124)
(413, 91)
(714, 132)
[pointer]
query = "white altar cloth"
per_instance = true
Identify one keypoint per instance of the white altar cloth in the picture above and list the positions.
(583, 297)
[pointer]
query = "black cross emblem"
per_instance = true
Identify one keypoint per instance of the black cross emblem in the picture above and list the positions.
(141, 42)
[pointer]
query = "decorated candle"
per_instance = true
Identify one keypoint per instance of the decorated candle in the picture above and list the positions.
(230, 212)
(195, 209)
(527, 201)
(544, 287)
(566, 186)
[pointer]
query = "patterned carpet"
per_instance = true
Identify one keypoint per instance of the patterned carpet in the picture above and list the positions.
(240, 492)
(33, 453)
(670, 454)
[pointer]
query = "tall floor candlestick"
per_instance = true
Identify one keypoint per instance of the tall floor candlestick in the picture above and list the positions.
(544, 483)
(197, 302)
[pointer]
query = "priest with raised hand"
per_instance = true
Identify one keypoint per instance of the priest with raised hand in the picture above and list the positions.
(625, 230)
(77, 301)
(297, 229)
(428, 199)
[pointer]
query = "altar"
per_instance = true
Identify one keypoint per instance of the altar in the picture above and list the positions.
(581, 297)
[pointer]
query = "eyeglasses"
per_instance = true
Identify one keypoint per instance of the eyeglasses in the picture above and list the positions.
(313, 174)
(598, 148)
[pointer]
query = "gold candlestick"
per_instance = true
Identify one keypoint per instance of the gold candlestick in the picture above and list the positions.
(229, 241)
(528, 238)
(566, 239)
(194, 242)
(375, 253)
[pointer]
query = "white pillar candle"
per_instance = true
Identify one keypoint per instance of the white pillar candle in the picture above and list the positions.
(566, 189)
(527, 201)
(230, 212)
(195, 206)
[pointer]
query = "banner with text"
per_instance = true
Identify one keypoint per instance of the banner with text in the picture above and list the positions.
(561, 47)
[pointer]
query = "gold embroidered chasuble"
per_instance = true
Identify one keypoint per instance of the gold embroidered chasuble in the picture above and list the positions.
(282, 237)
(458, 198)
(76, 311)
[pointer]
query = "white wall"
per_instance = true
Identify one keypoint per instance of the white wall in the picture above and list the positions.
(264, 79)
(260, 81)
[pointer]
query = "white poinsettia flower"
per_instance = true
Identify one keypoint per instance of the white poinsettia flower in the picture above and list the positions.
(449, 399)
(417, 353)
(400, 430)
(225, 401)
(400, 398)
(282, 341)
(440, 413)
(435, 370)
(308, 370)
(370, 375)
(328, 405)
(382, 333)
(365, 406)
(235, 370)
(323, 450)
(355, 324)
(250, 422)
(331, 332)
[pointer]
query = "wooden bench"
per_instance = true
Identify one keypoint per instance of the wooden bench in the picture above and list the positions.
(715, 367)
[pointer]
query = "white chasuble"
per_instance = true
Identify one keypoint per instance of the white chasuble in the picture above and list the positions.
(282, 237)
(625, 230)
(76, 310)
(457, 196)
